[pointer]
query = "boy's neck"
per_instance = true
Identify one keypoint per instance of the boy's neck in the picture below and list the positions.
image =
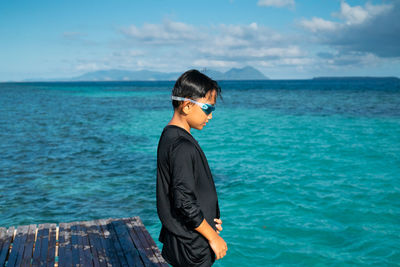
(177, 120)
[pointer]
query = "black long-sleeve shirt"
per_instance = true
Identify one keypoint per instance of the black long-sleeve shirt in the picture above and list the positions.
(186, 195)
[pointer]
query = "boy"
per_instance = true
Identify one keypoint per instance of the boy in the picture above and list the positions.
(187, 202)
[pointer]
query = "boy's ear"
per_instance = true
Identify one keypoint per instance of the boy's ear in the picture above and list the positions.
(186, 107)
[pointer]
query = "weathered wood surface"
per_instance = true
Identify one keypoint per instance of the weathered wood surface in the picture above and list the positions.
(98, 243)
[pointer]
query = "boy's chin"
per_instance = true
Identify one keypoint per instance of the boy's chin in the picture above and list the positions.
(199, 127)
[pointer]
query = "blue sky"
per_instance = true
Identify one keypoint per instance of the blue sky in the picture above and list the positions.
(285, 39)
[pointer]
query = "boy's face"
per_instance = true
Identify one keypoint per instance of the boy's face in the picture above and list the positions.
(196, 118)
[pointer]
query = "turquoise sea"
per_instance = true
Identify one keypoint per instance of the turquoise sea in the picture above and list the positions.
(307, 171)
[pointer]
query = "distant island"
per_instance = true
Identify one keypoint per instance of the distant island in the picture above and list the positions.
(353, 78)
(246, 73)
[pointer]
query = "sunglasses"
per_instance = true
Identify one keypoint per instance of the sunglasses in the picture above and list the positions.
(207, 108)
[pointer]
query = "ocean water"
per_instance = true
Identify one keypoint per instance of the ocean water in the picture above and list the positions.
(307, 172)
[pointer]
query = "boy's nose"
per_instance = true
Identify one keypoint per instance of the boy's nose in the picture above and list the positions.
(210, 116)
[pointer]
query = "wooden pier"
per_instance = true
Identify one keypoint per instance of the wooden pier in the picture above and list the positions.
(107, 242)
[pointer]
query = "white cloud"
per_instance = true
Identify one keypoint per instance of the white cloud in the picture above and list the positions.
(359, 14)
(223, 42)
(128, 53)
(215, 63)
(218, 46)
(276, 3)
(242, 43)
(91, 66)
(296, 61)
(355, 15)
(170, 32)
(365, 29)
(250, 53)
(349, 59)
(318, 24)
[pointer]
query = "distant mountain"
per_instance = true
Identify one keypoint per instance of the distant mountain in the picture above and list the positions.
(246, 73)
(214, 74)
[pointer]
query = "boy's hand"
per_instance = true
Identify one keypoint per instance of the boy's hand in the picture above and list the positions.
(216, 242)
(219, 247)
(218, 225)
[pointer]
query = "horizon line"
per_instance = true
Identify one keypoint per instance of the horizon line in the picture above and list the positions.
(268, 79)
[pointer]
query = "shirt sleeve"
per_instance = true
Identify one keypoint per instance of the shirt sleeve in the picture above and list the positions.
(183, 184)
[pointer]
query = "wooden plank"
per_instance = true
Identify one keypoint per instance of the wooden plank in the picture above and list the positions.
(6, 240)
(51, 248)
(45, 244)
(140, 238)
(64, 245)
(127, 244)
(102, 253)
(150, 242)
(98, 252)
(30, 241)
(38, 243)
(3, 242)
(17, 250)
(147, 257)
(87, 256)
(76, 260)
(150, 248)
(115, 242)
(91, 243)
(41, 245)
(80, 244)
(103, 241)
(112, 257)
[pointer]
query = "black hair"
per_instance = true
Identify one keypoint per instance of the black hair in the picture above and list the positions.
(194, 84)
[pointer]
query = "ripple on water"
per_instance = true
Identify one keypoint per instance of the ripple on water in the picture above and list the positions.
(307, 173)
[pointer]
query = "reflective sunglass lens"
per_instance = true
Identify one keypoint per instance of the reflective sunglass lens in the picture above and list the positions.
(209, 109)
